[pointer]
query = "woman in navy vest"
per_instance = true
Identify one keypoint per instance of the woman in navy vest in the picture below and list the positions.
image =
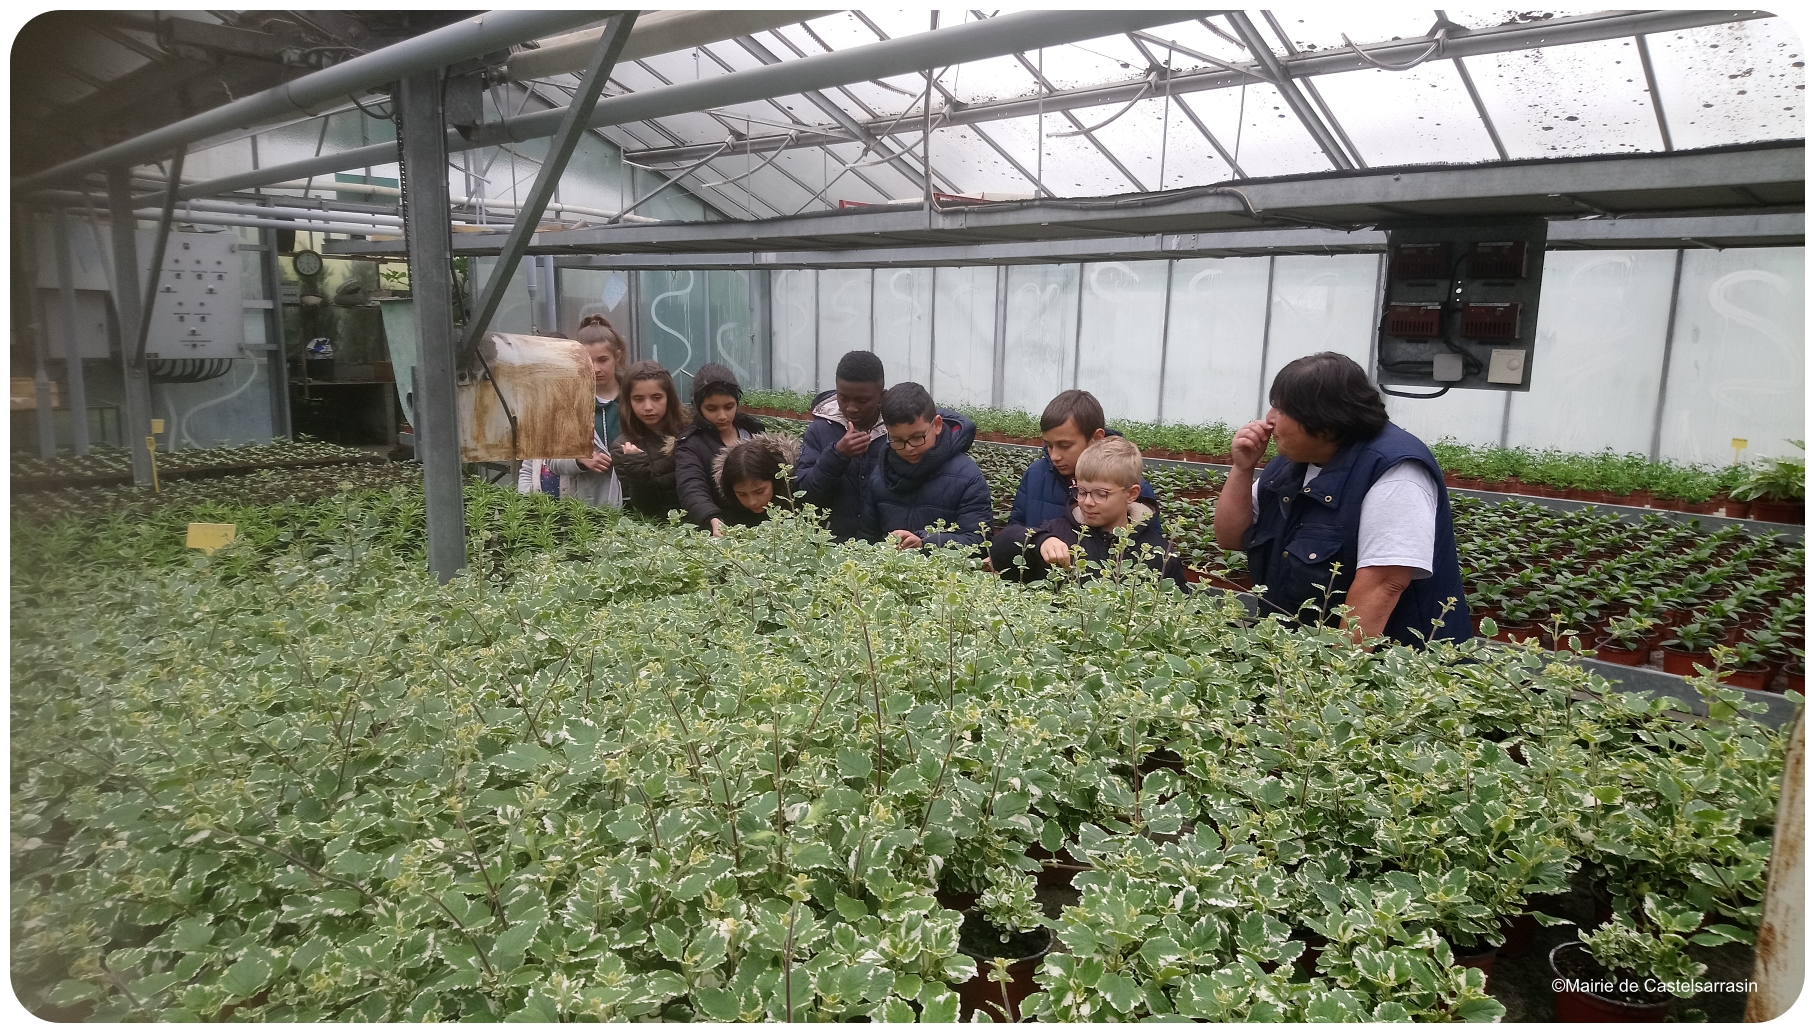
(1351, 512)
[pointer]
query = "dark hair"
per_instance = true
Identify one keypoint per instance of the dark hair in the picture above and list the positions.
(759, 459)
(714, 379)
(673, 421)
(905, 403)
(1080, 407)
(1328, 394)
(596, 329)
(860, 368)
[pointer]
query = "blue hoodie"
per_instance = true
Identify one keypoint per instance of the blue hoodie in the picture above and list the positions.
(945, 485)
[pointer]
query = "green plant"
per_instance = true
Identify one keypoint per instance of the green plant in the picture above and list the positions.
(1630, 631)
(1776, 480)
(1650, 947)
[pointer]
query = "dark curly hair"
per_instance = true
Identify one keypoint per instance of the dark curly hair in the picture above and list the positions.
(1328, 394)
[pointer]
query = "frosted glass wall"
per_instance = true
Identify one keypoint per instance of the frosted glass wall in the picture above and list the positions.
(844, 316)
(794, 322)
(964, 335)
(1216, 340)
(902, 323)
(1198, 341)
(1121, 333)
(1736, 362)
(1039, 359)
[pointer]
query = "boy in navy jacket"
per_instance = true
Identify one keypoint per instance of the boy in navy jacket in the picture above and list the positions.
(1108, 498)
(925, 477)
(844, 442)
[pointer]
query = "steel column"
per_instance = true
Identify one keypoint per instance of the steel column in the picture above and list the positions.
(1266, 340)
(28, 320)
(73, 374)
(1159, 411)
(127, 304)
(999, 359)
(422, 155)
(573, 123)
(1657, 99)
(274, 335)
(1663, 379)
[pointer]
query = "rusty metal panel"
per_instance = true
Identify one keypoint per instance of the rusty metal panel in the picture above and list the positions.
(1778, 958)
(545, 382)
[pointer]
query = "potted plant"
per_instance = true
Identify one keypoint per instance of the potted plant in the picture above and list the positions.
(1774, 487)
(1691, 645)
(1742, 666)
(1006, 937)
(1628, 640)
(1633, 967)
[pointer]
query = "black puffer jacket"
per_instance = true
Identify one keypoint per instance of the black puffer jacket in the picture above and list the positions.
(693, 456)
(1019, 541)
(648, 475)
(776, 448)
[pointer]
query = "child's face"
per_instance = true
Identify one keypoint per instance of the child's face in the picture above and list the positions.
(604, 364)
(1104, 504)
(648, 401)
(754, 496)
(719, 410)
(1065, 443)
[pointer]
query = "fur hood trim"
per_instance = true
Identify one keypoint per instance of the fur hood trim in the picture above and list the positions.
(787, 448)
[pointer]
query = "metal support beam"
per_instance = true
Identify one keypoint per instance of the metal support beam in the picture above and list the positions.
(1657, 99)
(274, 336)
(470, 37)
(156, 264)
(28, 321)
(573, 123)
(909, 55)
(1282, 81)
(1487, 122)
(422, 156)
(998, 389)
(1329, 117)
(127, 303)
(1663, 380)
(75, 380)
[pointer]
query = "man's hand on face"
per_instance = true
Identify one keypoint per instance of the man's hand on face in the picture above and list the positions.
(1250, 444)
(1055, 552)
(854, 443)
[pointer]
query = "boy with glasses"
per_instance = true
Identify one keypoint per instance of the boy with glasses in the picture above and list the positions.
(925, 477)
(1105, 501)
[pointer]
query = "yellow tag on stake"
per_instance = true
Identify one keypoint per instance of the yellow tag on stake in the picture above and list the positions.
(209, 537)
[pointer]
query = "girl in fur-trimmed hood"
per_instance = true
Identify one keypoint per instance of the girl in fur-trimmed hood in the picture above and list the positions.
(755, 476)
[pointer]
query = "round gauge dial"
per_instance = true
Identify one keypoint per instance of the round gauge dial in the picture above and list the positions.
(307, 263)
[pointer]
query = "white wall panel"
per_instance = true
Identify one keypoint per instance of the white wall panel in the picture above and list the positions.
(964, 335)
(1601, 326)
(1321, 304)
(1468, 416)
(1219, 315)
(1736, 360)
(1042, 335)
(844, 318)
(902, 304)
(1120, 336)
(794, 315)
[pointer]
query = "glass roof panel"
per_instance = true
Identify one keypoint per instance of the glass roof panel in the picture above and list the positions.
(1189, 158)
(1585, 98)
(977, 168)
(1489, 17)
(1731, 83)
(1407, 118)
(1093, 62)
(1260, 131)
(1193, 35)
(998, 78)
(1323, 29)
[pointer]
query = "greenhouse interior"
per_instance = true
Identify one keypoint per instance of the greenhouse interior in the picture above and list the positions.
(907, 515)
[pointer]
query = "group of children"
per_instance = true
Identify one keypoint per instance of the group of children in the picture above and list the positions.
(883, 463)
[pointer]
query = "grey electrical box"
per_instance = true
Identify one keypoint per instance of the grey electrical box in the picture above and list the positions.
(197, 311)
(1461, 303)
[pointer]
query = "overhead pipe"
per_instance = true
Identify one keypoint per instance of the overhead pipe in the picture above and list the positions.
(260, 211)
(960, 44)
(253, 222)
(437, 48)
(661, 32)
(378, 190)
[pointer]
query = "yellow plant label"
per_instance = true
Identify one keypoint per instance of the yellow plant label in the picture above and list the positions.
(157, 426)
(209, 537)
(1739, 443)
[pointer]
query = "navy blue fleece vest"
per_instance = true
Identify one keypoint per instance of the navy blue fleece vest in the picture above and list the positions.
(1300, 533)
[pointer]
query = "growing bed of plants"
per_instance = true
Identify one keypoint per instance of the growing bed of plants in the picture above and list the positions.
(107, 465)
(624, 770)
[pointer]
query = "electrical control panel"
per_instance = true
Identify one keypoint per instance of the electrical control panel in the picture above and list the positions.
(197, 312)
(1460, 308)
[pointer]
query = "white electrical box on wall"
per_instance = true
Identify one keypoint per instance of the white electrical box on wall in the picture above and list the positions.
(197, 311)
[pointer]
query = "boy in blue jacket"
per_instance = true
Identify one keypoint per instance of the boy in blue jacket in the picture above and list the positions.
(843, 443)
(925, 477)
(1108, 499)
(1072, 422)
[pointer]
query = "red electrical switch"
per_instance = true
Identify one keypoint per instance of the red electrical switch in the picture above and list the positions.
(1491, 321)
(1414, 320)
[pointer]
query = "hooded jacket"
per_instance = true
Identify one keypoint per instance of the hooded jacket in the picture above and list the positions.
(945, 485)
(1045, 494)
(648, 475)
(694, 452)
(832, 481)
(1144, 534)
(778, 447)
